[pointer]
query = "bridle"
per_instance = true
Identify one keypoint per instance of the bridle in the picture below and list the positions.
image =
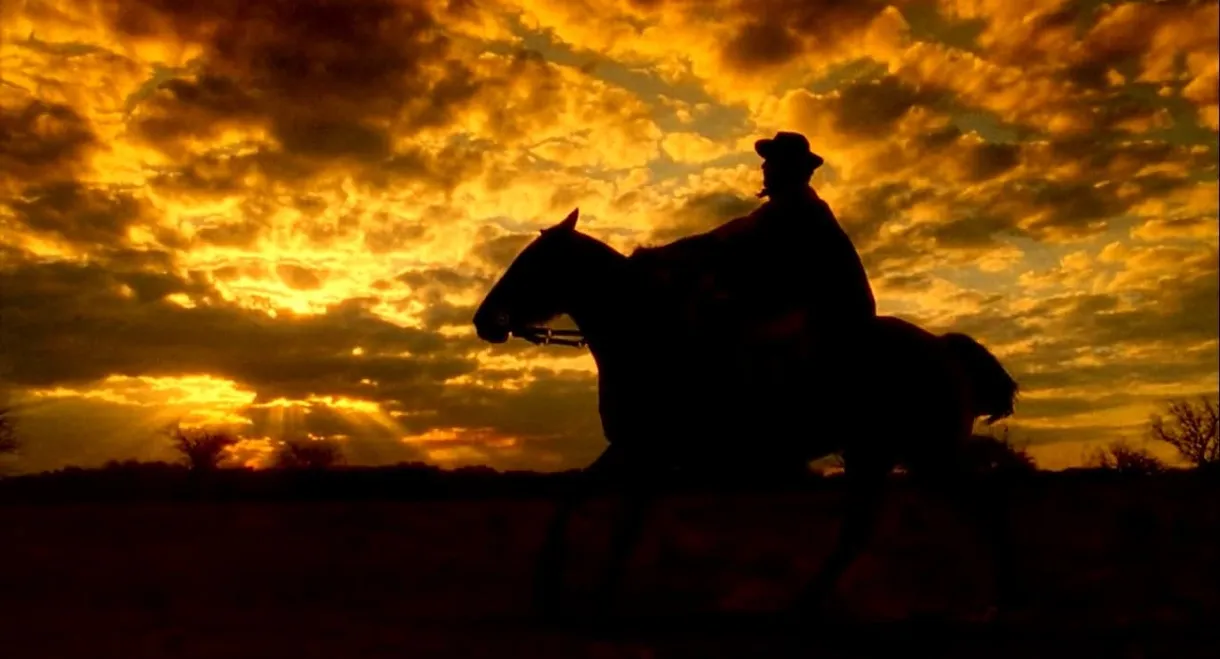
(542, 336)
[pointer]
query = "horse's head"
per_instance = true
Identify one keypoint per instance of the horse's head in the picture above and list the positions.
(538, 286)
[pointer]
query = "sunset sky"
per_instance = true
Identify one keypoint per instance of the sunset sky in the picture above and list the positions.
(280, 214)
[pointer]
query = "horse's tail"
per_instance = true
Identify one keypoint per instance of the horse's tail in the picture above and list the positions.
(994, 390)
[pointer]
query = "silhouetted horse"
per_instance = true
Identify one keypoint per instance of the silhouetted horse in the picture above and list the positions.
(667, 403)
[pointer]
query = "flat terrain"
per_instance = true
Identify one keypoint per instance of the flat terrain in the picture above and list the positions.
(1121, 568)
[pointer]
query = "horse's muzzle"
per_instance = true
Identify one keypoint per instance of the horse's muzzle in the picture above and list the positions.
(492, 327)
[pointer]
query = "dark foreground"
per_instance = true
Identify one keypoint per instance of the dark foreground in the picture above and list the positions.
(1123, 568)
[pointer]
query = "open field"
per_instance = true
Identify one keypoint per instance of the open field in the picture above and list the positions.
(1117, 567)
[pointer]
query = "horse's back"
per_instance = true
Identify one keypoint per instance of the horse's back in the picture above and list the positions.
(900, 376)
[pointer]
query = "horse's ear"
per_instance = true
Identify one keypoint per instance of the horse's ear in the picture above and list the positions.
(568, 223)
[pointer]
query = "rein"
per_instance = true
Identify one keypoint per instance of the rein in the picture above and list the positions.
(541, 336)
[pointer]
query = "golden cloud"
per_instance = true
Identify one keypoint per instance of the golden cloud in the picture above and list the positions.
(304, 201)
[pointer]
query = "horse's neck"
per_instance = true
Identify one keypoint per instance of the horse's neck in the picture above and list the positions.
(607, 301)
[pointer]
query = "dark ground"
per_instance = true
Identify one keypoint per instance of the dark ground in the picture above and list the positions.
(1125, 568)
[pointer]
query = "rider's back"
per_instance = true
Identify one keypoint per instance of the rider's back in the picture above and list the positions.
(794, 256)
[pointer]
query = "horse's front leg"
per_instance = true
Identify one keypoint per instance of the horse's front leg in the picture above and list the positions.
(865, 489)
(638, 497)
(552, 559)
(549, 569)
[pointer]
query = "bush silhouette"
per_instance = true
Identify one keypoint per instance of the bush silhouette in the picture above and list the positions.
(1193, 429)
(996, 453)
(204, 450)
(309, 454)
(1126, 459)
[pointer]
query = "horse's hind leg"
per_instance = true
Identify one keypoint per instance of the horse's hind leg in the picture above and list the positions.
(984, 502)
(991, 510)
(865, 489)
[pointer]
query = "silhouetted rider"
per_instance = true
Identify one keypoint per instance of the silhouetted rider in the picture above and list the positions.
(789, 258)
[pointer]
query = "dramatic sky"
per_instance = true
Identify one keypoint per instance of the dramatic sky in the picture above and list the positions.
(280, 214)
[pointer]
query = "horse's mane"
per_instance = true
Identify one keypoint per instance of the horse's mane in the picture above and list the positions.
(641, 261)
(684, 260)
(644, 250)
(600, 248)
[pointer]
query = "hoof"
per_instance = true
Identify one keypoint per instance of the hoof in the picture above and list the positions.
(807, 615)
(1002, 614)
(601, 603)
(986, 615)
(813, 606)
(546, 602)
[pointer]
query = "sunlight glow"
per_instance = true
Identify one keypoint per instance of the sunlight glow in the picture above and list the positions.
(452, 446)
(1041, 175)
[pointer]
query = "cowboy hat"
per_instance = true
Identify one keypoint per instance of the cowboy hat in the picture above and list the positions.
(788, 147)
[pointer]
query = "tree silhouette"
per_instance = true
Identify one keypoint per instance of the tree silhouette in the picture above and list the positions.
(1124, 458)
(1193, 429)
(308, 454)
(204, 450)
(8, 435)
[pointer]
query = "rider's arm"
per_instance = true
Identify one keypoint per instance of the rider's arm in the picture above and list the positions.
(698, 247)
(733, 228)
(690, 245)
(831, 273)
